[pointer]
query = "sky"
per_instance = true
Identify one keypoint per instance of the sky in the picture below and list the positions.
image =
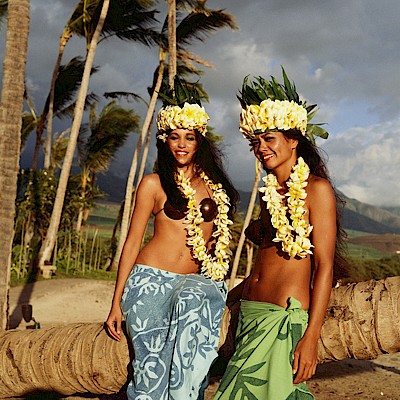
(342, 55)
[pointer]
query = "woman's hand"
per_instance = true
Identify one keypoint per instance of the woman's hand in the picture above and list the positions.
(114, 322)
(305, 359)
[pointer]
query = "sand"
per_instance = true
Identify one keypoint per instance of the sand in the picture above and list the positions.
(62, 301)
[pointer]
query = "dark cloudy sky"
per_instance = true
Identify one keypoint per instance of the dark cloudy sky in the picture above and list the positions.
(343, 55)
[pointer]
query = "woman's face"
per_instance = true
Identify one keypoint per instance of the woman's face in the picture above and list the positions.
(183, 145)
(274, 149)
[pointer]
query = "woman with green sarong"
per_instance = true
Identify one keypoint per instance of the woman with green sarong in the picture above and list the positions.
(284, 300)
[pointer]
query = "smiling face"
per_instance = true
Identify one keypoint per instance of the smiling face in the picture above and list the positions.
(275, 151)
(183, 145)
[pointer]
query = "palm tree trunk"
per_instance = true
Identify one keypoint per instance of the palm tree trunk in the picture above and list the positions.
(12, 97)
(48, 244)
(66, 35)
(171, 42)
(85, 174)
(362, 322)
(78, 358)
(249, 213)
(142, 163)
(132, 172)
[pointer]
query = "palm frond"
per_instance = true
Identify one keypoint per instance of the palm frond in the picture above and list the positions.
(127, 19)
(187, 58)
(81, 15)
(200, 23)
(186, 3)
(67, 84)
(108, 133)
(28, 126)
(59, 149)
(128, 96)
(130, 20)
(67, 111)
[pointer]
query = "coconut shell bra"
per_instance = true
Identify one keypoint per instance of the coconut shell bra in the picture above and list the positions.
(208, 210)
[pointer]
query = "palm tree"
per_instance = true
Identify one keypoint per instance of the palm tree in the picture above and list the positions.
(12, 96)
(67, 83)
(48, 244)
(109, 131)
(129, 20)
(362, 322)
(195, 25)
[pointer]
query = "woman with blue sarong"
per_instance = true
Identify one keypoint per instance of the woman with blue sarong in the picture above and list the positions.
(284, 300)
(171, 292)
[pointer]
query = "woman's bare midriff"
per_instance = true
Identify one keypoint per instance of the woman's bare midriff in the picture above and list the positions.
(275, 279)
(167, 250)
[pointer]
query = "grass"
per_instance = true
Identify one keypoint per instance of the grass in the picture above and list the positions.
(360, 252)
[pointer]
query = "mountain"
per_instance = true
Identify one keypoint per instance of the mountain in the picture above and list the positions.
(370, 218)
(356, 216)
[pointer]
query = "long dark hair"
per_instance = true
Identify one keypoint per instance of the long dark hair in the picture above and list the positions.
(208, 158)
(312, 156)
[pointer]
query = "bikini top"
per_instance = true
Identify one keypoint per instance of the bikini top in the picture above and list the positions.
(208, 209)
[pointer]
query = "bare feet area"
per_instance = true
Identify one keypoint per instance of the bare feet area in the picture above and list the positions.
(63, 301)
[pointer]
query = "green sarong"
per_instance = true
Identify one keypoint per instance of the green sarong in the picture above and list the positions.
(261, 367)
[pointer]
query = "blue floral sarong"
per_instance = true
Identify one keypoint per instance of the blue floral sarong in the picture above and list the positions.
(174, 322)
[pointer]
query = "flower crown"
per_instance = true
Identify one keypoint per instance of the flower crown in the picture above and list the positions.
(190, 116)
(181, 109)
(268, 106)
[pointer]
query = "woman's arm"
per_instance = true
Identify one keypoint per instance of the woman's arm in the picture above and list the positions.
(322, 209)
(144, 205)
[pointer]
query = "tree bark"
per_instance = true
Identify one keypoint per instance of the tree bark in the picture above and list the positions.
(66, 35)
(49, 242)
(362, 322)
(12, 97)
(171, 42)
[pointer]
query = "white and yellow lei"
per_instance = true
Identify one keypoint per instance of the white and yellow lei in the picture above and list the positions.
(190, 116)
(214, 267)
(294, 235)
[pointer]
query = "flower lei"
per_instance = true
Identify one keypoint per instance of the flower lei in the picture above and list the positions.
(190, 116)
(272, 114)
(214, 267)
(295, 236)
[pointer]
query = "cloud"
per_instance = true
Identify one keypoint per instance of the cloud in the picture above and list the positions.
(365, 162)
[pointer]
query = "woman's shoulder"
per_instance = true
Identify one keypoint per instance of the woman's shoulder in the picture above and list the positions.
(150, 182)
(319, 188)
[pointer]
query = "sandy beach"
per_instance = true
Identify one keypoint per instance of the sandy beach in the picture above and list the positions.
(62, 301)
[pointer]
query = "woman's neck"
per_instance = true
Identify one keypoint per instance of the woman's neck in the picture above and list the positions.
(283, 171)
(188, 170)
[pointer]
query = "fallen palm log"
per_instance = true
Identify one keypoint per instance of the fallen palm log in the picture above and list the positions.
(362, 322)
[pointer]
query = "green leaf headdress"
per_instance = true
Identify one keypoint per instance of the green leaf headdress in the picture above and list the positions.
(181, 109)
(270, 105)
